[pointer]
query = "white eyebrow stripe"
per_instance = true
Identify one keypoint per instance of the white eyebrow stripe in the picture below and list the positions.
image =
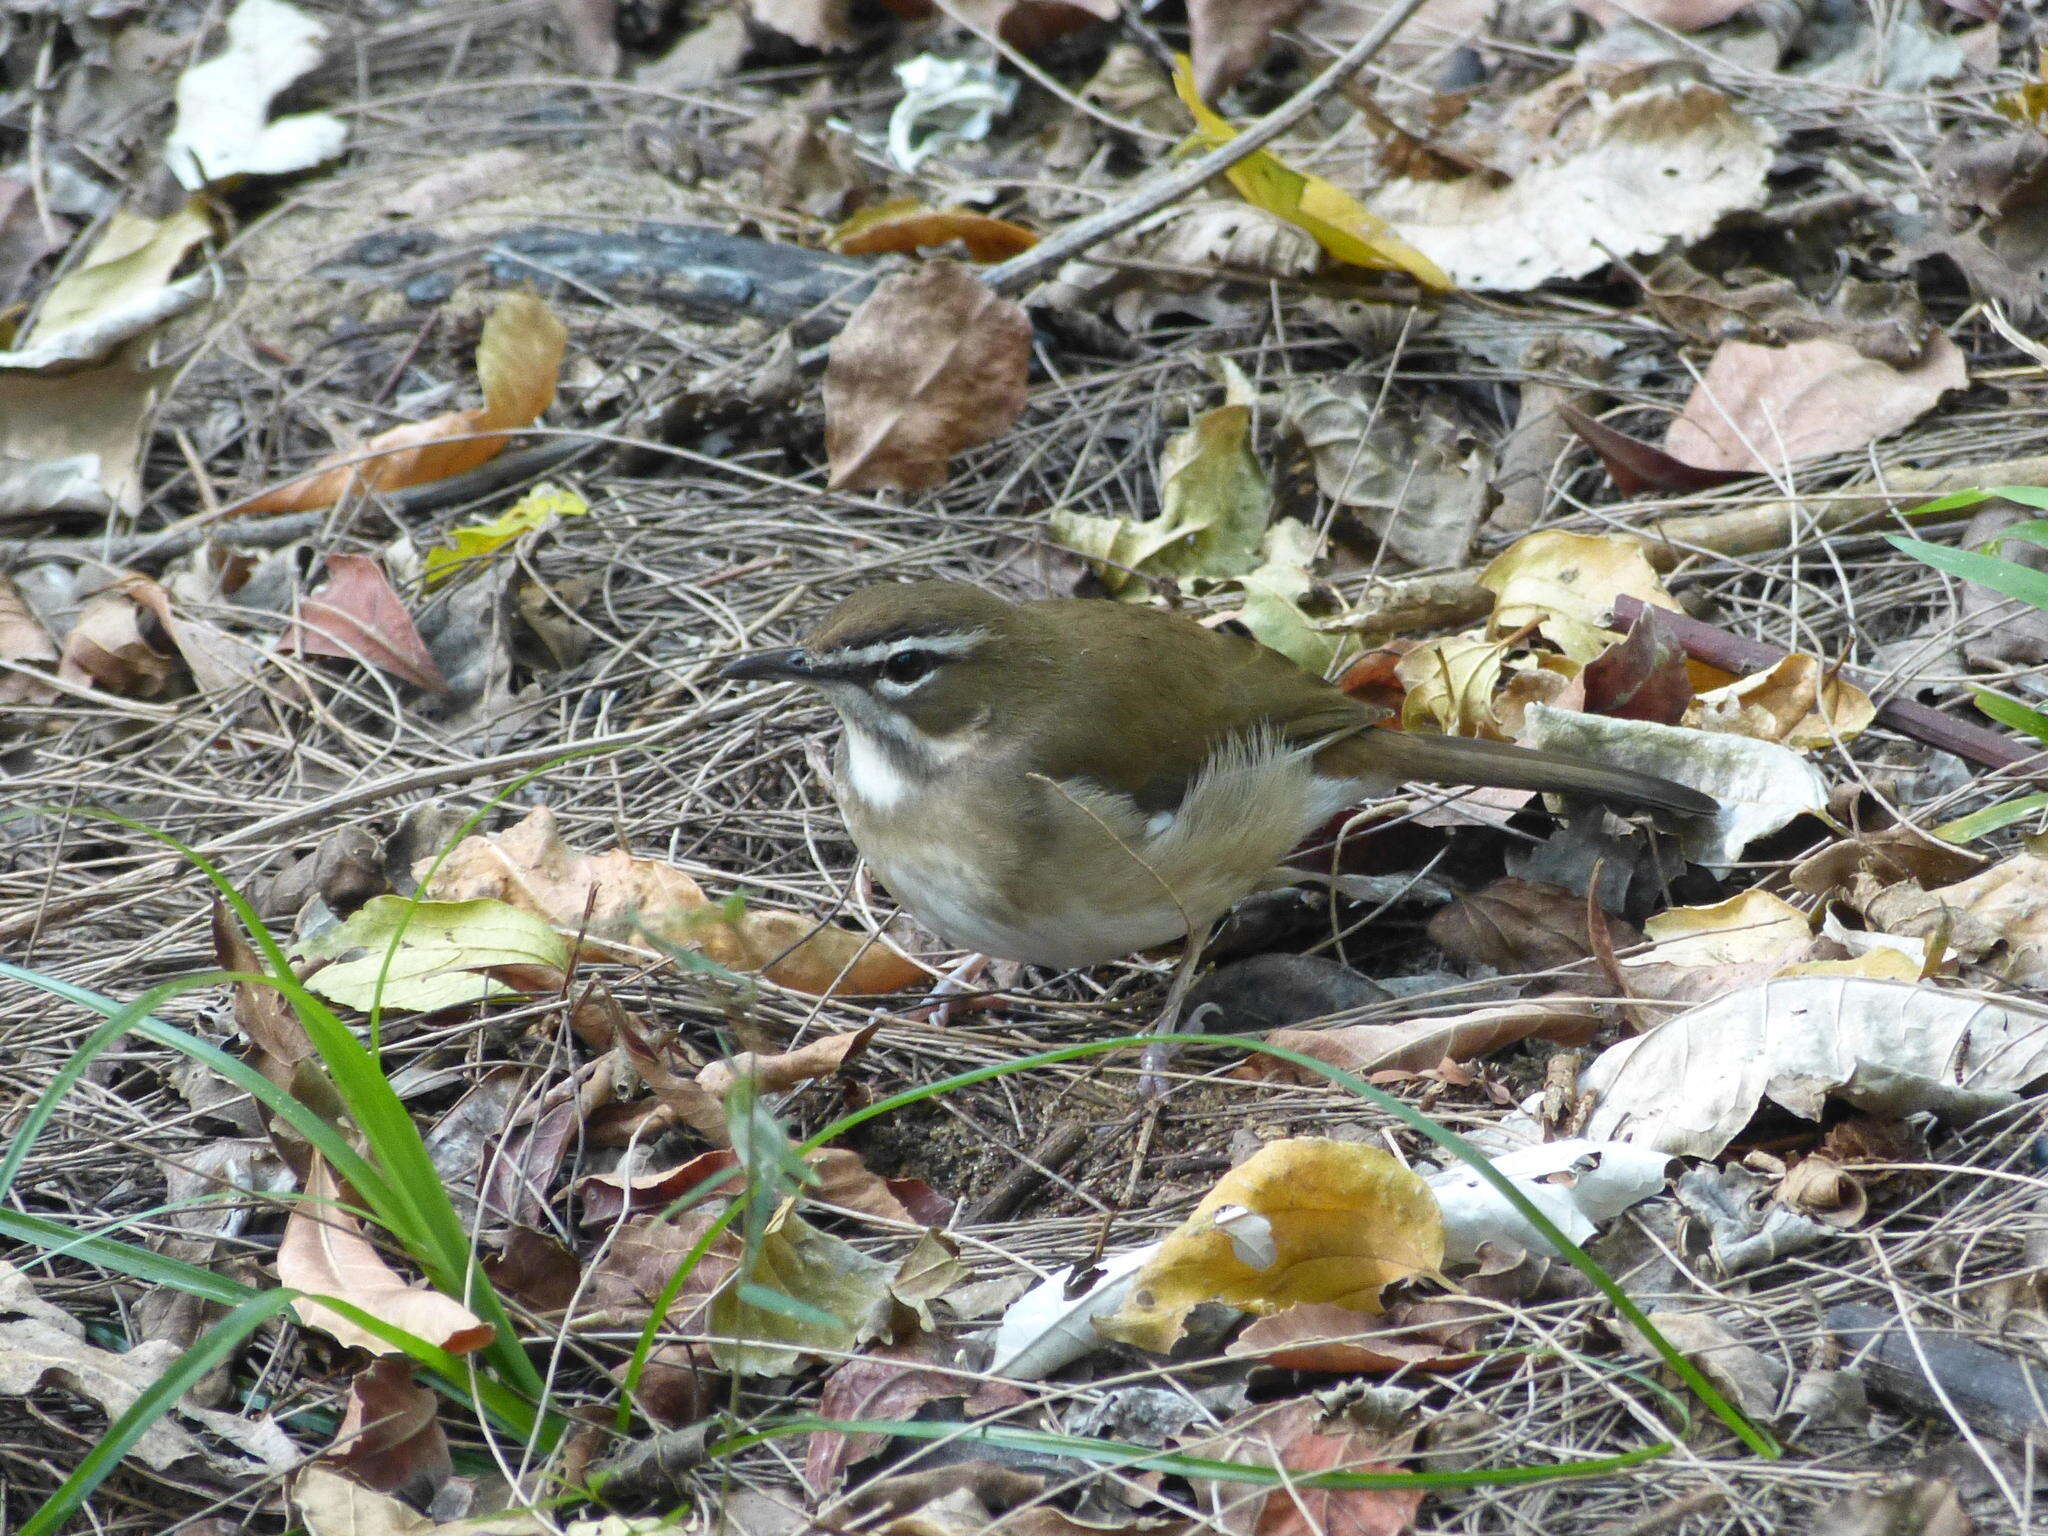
(943, 645)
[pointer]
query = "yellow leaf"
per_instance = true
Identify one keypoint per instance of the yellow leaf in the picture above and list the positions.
(133, 257)
(449, 953)
(539, 508)
(1339, 223)
(1795, 703)
(1451, 684)
(1315, 1221)
(1565, 584)
(1749, 927)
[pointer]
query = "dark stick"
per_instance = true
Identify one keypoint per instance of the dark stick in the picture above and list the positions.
(1741, 655)
(1996, 1393)
(1050, 1155)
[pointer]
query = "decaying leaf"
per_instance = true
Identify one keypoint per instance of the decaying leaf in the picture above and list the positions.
(71, 443)
(1883, 321)
(1521, 926)
(329, 1503)
(904, 224)
(1658, 163)
(1449, 685)
(390, 1437)
(1999, 916)
(324, 1253)
(1419, 1044)
(1642, 676)
(109, 647)
(842, 1298)
(447, 954)
(518, 358)
(1795, 702)
(1763, 408)
(1329, 1221)
(1347, 231)
(121, 289)
(1751, 1379)
(224, 129)
(357, 616)
(931, 364)
(42, 1345)
(1301, 1438)
(1408, 1336)
(890, 1382)
(612, 897)
(1891, 1048)
(699, 1101)
(1565, 584)
(1995, 197)
(1761, 786)
(1417, 479)
(1580, 1184)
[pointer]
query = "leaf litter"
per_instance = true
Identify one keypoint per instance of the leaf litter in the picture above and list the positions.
(160, 663)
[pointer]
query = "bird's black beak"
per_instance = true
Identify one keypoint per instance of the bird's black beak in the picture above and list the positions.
(780, 666)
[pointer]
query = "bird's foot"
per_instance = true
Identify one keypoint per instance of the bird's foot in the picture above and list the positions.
(952, 992)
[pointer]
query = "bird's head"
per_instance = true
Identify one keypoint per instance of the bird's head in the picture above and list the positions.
(915, 666)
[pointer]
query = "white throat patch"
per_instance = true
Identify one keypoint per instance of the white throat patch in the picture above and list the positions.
(871, 772)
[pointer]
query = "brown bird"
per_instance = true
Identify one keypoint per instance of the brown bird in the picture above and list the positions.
(1069, 781)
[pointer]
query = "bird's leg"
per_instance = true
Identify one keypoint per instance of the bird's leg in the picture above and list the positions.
(937, 1007)
(1156, 1056)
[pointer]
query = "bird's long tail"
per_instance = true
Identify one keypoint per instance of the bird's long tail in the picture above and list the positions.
(1502, 765)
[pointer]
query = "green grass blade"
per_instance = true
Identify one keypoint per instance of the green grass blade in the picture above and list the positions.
(214, 1346)
(1993, 818)
(1140, 1458)
(2024, 495)
(2006, 576)
(60, 1241)
(2010, 712)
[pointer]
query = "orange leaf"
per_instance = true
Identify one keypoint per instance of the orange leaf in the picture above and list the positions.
(905, 224)
(518, 359)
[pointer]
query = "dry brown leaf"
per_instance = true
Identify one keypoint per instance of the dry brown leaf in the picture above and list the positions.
(72, 442)
(1795, 702)
(890, 1382)
(2008, 903)
(1762, 408)
(1227, 38)
(612, 897)
(109, 647)
(327, 1503)
(1408, 1336)
(1422, 1043)
(1642, 676)
(518, 359)
(390, 1437)
(324, 1252)
(1659, 163)
(22, 639)
(1295, 1435)
(1517, 926)
(357, 616)
(931, 364)
(1418, 479)
(1329, 1221)
(820, 24)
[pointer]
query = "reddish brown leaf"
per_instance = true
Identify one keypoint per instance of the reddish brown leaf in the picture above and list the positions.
(356, 615)
(931, 364)
(1294, 1435)
(1374, 677)
(891, 1382)
(391, 1437)
(1416, 1336)
(1635, 466)
(534, 1268)
(1642, 676)
(1423, 1043)
(1518, 926)
(1026, 25)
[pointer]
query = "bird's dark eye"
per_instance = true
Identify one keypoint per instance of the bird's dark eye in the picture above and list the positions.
(909, 666)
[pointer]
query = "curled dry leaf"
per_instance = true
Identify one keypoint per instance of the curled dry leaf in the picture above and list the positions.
(356, 615)
(1762, 408)
(518, 358)
(890, 1382)
(1892, 1048)
(109, 647)
(1565, 584)
(390, 1437)
(1999, 916)
(1580, 1184)
(931, 364)
(1659, 163)
(1329, 1221)
(223, 128)
(1703, 952)
(1796, 702)
(1417, 479)
(324, 1253)
(1420, 1044)
(1228, 37)
(1642, 676)
(905, 224)
(1637, 467)
(121, 289)
(612, 897)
